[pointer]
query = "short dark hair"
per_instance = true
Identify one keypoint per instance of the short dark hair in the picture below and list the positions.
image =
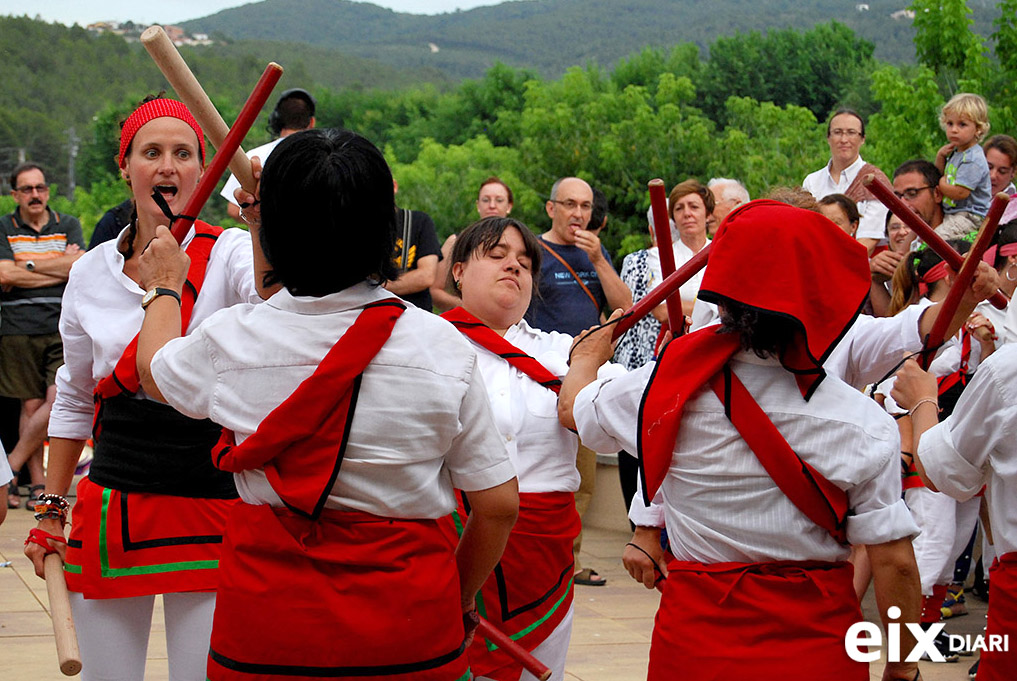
(328, 213)
(496, 180)
(293, 111)
(849, 112)
(849, 207)
(928, 170)
(599, 213)
(767, 334)
(483, 235)
(1004, 144)
(24, 168)
(1007, 234)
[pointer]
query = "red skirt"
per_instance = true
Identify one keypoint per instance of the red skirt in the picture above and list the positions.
(1001, 665)
(530, 590)
(126, 544)
(777, 621)
(349, 595)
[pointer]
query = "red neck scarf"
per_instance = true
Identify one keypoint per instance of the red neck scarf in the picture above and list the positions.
(124, 378)
(301, 443)
(484, 336)
(815, 277)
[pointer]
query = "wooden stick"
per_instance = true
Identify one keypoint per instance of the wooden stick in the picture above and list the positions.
(60, 610)
(176, 71)
(963, 280)
(658, 295)
(662, 229)
(514, 650)
(225, 152)
(917, 225)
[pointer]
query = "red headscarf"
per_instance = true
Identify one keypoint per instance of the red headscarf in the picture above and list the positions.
(157, 108)
(775, 258)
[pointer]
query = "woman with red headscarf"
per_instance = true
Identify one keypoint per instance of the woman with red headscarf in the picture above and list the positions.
(149, 518)
(759, 455)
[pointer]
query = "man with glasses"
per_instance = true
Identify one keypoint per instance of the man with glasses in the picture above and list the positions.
(37, 248)
(845, 133)
(577, 282)
(916, 183)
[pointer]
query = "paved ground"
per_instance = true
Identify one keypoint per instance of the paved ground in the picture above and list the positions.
(610, 642)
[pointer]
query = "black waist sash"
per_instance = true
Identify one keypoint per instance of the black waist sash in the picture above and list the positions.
(146, 446)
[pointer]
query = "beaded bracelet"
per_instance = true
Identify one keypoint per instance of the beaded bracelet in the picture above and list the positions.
(52, 506)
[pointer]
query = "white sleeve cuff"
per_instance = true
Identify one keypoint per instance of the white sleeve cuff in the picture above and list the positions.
(882, 525)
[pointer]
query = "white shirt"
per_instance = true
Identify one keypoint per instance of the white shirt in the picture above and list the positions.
(6, 474)
(873, 213)
(526, 413)
(422, 421)
(262, 153)
(720, 504)
(977, 445)
(682, 254)
(101, 313)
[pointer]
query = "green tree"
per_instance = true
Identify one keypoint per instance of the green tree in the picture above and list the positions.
(944, 40)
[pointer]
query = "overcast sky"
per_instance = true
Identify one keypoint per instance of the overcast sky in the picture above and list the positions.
(85, 12)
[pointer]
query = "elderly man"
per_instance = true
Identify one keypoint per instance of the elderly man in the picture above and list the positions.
(37, 250)
(845, 133)
(728, 194)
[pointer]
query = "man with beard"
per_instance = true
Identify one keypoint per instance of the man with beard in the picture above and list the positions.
(37, 248)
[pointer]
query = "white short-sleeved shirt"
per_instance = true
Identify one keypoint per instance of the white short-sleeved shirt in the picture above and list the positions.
(422, 422)
(101, 313)
(719, 503)
(977, 445)
(526, 413)
(233, 183)
(6, 474)
(872, 224)
(682, 254)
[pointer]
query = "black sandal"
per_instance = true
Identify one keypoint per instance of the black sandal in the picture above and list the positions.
(33, 496)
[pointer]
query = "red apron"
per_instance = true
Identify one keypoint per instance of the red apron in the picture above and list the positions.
(778, 621)
(348, 595)
(126, 544)
(995, 665)
(530, 590)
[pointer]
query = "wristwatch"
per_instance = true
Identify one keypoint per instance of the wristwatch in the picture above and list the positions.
(30, 265)
(155, 293)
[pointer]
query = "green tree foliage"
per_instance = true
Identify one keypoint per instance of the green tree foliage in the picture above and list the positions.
(943, 38)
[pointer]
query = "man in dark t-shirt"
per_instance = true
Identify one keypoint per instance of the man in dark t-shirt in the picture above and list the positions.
(416, 256)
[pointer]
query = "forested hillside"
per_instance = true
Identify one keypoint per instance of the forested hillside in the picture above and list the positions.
(754, 108)
(552, 35)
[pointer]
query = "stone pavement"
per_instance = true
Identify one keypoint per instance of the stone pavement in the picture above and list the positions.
(610, 642)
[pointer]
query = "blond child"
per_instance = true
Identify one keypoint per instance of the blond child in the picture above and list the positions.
(965, 185)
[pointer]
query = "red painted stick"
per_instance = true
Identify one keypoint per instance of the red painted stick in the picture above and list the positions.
(516, 651)
(658, 295)
(964, 277)
(917, 225)
(662, 230)
(224, 154)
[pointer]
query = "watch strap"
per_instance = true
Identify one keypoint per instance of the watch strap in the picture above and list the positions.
(156, 292)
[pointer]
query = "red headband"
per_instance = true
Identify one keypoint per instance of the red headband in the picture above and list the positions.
(1005, 250)
(935, 273)
(157, 108)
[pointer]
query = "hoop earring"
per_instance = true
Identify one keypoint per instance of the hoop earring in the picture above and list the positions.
(1006, 274)
(459, 286)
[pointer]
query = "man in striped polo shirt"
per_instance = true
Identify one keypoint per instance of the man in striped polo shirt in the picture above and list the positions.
(37, 248)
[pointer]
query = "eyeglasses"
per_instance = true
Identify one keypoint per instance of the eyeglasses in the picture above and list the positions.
(571, 205)
(850, 134)
(29, 188)
(911, 193)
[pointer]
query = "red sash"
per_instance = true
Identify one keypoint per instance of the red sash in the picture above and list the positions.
(301, 443)
(124, 379)
(963, 372)
(530, 590)
(996, 665)
(676, 380)
(348, 595)
(760, 621)
(482, 335)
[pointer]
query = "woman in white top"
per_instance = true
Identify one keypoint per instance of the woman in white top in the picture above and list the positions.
(149, 518)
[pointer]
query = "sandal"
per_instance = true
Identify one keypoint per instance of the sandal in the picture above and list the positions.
(13, 498)
(33, 496)
(589, 577)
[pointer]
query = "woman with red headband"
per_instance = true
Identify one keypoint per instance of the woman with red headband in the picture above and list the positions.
(149, 518)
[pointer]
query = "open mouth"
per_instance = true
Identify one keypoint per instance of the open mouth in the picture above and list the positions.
(166, 190)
